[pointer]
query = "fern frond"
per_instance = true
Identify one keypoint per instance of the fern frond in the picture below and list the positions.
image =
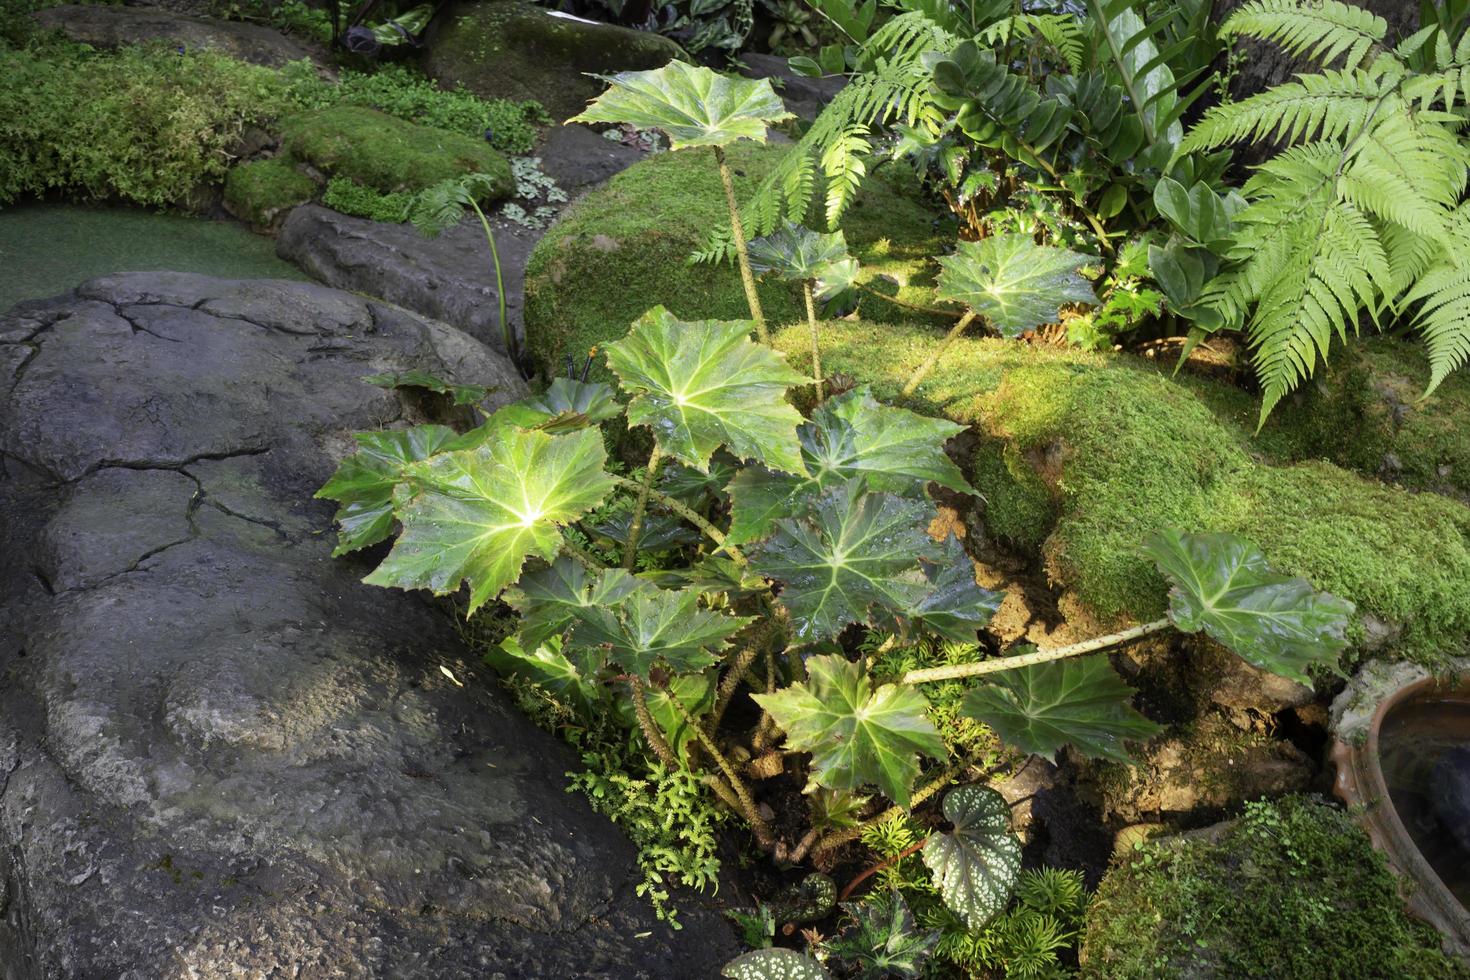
(1066, 34)
(1331, 105)
(1322, 30)
(1407, 173)
(1409, 255)
(1442, 293)
(843, 166)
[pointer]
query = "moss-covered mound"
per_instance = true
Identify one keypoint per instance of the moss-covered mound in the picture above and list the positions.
(1084, 455)
(625, 248)
(1291, 889)
(262, 191)
(389, 154)
(514, 50)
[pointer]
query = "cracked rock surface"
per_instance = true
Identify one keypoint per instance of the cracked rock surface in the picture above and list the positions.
(221, 755)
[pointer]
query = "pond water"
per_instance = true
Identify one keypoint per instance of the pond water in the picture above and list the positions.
(47, 249)
(1424, 750)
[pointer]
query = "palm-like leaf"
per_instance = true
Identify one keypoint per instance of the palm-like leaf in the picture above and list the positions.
(1079, 702)
(704, 384)
(955, 606)
(476, 515)
(691, 104)
(363, 485)
(856, 735)
(1014, 283)
(976, 865)
(1222, 585)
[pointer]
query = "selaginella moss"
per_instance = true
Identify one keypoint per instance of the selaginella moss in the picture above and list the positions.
(260, 192)
(1083, 455)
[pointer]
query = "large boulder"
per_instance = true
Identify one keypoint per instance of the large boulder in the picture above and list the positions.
(106, 26)
(511, 49)
(220, 753)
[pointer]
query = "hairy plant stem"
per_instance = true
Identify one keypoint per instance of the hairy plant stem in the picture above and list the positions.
(748, 808)
(506, 336)
(582, 555)
(955, 671)
(640, 507)
(811, 319)
(690, 515)
(905, 304)
(928, 365)
(737, 232)
(730, 683)
(651, 734)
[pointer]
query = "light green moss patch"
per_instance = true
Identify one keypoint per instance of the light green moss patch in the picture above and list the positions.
(262, 191)
(1085, 455)
(389, 154)
(625, 247)
(1291, 889)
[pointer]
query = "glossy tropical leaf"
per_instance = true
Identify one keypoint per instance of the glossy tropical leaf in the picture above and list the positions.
(798, 254)
(851, 551)
(363, 484)
(690, 486)
(715, 573)
(548, 599)
(856, 735)
(1014, 283)
(653, 626)
(1080, 702)
(660, 532)
(882, 941)
(852, 435)
(462, 394)
(975, 865)
(477, 515)
(693, 105)
(546, 666)
(775, 963)
(955, 606)
(704, 384)
(1222, 585)
(566, 405)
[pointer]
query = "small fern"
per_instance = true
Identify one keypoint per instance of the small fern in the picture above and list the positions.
(1322, 30)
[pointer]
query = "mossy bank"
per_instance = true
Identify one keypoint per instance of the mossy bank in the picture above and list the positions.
(1082, 456)
(625, 248)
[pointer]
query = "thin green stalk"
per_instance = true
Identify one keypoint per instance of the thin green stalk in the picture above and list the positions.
(811, 319)
(710, 531)
(737, 232)
(649, 727)
(956, 671)
(640, 507)
(747, 802)
(927, 366)
(506, 336)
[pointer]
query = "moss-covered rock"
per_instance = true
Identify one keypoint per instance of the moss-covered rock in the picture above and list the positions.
(509, 49)
(625, 247)
(1083, 455)
(262, 191)
(1291, 889)
(389, 154)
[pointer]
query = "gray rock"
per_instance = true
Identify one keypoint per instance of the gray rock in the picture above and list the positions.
(220, 753)
(113, 26)
(1449, 791)
(578, 158)
(449, 278)
(806, 97)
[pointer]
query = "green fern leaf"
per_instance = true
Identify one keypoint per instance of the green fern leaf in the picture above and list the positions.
(1322, 30)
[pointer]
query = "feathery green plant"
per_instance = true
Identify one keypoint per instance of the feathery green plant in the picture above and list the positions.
(1361, 215)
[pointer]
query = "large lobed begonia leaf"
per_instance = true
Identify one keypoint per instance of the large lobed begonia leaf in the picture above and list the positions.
(549, 667)
(704, 384)
(656, 626)
(976, 865)
(852, 550)
(1222, 585)
(476, 515)
(1014, 283)
(856, 735)
(798, 254)
(693, 105)
(954, 605)
(565, 405)
(363, 484)
(550, 598)
(1080, 702)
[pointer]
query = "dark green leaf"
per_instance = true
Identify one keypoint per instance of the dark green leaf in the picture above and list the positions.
(364, 483)
(856, 735)
(462, 394)
(799, 254)
(955, 607)
(661, 532)
(882, 941)
(652, 626)
(1222, 585)
(1014, 283)
(976, 865)
(700, 385)
(549, 598)
(1080, 702)
(567, 404)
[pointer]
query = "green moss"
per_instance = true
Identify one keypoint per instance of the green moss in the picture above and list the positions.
(1292, 889)
(625, 248)
(350, 197)
(261, 191)
(388, 154)
(1084, 455)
